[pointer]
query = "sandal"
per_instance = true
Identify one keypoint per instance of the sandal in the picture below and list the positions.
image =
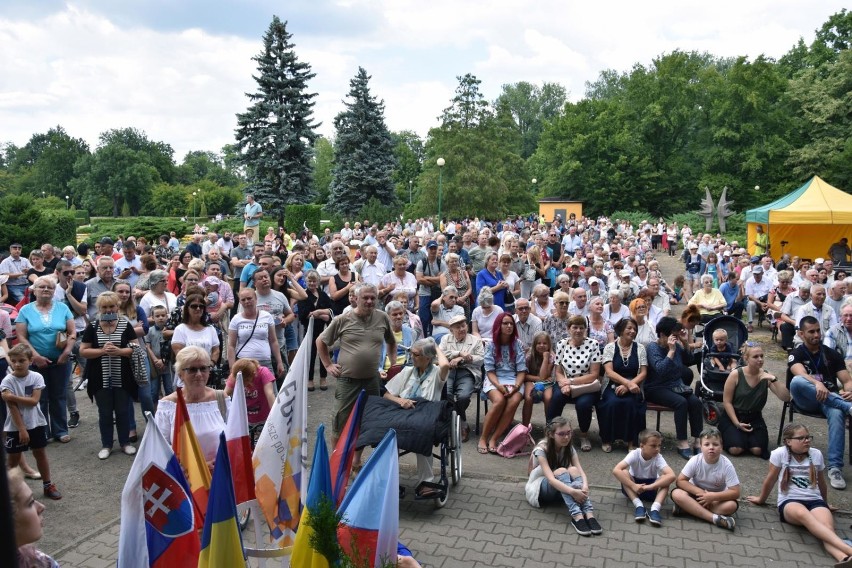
(585, 444)
(482, 450)
(427, 493)
(607, 448)
(492, 450)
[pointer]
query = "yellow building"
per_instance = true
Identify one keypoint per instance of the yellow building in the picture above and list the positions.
(550, 207)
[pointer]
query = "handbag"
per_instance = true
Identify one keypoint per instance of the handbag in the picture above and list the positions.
(517, 442)
(61, 340)
(137, 364)
(529, 272)
(681, 388)
(579, 390)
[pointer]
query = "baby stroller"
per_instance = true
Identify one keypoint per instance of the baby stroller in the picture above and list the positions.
(711, 380)
(418, 431)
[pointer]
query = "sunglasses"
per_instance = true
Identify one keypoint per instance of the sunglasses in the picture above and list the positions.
(194, 370)
(196, 306)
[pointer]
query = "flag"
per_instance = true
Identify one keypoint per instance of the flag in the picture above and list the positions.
(370, 525)
(188, 451)
(320, 484)
(157, 518)
(281, 455)
(344, 451)
(239, 445)
(221, 542)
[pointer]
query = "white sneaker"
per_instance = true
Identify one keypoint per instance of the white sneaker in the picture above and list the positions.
(103, 454)
(835, 478)
(129, 450)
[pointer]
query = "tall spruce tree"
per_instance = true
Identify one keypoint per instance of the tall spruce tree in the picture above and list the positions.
(276, 133)
(364, 159)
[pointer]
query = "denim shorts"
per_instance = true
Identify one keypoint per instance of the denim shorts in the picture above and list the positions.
(291, 338)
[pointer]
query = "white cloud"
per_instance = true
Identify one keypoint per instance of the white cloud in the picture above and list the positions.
(78, 68)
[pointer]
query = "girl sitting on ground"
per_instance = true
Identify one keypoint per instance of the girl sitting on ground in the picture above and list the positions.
(558, 476)
(799, 470)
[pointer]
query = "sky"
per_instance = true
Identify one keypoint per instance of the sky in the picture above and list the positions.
(180, 69)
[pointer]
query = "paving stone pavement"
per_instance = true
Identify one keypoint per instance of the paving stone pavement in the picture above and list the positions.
(487, 523)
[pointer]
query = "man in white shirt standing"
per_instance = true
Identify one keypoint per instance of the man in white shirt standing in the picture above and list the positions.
(386, 251)
(372, 270)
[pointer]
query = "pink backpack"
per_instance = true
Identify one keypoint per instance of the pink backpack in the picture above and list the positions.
(518, 442)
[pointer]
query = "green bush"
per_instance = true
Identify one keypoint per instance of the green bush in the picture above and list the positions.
(149, 227)
(297, 216)
(82, 216)
(23, 220)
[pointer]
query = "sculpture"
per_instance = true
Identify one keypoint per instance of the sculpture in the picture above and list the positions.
(706, 210)
(723, 210)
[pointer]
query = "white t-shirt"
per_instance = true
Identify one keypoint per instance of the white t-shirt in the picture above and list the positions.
(485, 322)
(640, 468)
(257, 343)
(206, 339)
(149, 300)
(799, 486)
(713, 477)
(32, 415)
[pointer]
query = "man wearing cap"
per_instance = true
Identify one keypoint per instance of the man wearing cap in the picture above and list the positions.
(839, 252)
(128, 267)
(428, 273)
(785, 317)
(757, 289)
(252, 214)
(107, 250)
(595, 288)
(15, 267)
(466, 353)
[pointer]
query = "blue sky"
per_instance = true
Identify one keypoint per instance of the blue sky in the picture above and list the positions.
(179, 69)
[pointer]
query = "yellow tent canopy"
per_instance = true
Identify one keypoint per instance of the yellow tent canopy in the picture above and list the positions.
(807, 221)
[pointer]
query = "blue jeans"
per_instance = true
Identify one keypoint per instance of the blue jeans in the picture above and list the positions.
(16, 294)
(424, 311)
(145, 400)
(53, 399)
(166, 380)
(835, 410)
(549, 494)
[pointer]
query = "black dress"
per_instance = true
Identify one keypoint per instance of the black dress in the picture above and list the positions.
(338, 306)
(622, 417)
(314, 302)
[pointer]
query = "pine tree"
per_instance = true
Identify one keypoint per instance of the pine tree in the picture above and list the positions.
(276, 133)
(364, 159)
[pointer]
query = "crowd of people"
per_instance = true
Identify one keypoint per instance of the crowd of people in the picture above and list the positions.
(518, 311)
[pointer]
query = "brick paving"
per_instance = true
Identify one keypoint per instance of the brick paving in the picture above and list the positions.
(487, 523)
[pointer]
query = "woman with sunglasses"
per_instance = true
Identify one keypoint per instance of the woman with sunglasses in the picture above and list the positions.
(196, 329)
(556, 323)
(208, 408)
(106, 345)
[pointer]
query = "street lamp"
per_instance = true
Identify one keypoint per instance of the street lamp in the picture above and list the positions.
(409, 190)
(68, 202)
(194, 217)
(534, 181)
(440, 163)
(43, 195)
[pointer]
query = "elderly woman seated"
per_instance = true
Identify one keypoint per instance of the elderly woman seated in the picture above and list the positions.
(423, 379)
(709, 300)
(389, 363)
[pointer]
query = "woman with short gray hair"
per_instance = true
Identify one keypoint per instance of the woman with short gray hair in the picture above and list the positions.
(484, 314)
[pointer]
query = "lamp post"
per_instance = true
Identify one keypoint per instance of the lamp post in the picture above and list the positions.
(409, 190)
(43, 195)
(194, 217)
(68, 202)
(440, 163)
(534, 181)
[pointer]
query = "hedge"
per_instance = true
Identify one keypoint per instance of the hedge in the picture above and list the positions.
(24, 221)
(298, 216)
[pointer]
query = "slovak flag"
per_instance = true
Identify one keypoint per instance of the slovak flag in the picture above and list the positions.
(239, 445)
(370, 525)
(157, 518)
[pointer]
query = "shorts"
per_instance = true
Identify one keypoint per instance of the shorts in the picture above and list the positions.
(650, 494)
(346, 395)
(809, 504)
(38, 440)
(690, 277)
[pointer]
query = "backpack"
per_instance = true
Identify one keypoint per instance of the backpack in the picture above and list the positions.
(517, 442)
(137, 364)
